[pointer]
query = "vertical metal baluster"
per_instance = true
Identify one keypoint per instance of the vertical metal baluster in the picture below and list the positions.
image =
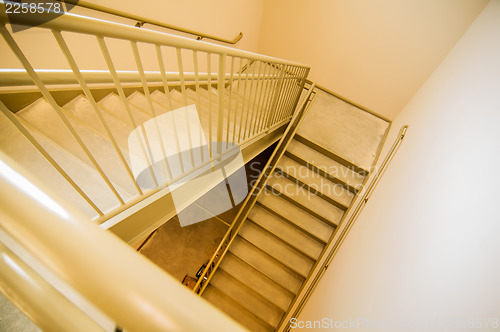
(231, 77)
(45, 92)
(285, 95)
(169, 101)
(290, 97)
(273, 73)
(267, 93)
(161, 64)
(47, 156)
(276, 97)
(260, 98)
(183, 89)
(209, 89)
(243, 101)
(74, 67)
(123, 98)
(221, 80)
(198, 99)
(137, 57)
(237, 101)
(250, 103)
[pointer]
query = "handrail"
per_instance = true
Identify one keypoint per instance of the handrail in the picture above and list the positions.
(125, 286)
(142, 20)
(228, 238)
(333, 247)
(86, 25)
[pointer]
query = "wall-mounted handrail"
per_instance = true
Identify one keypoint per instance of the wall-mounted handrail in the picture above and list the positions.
(141, 21)
(86, 25)
(125, 286)
(334, 246)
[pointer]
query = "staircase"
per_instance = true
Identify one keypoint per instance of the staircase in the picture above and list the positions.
(47, 128)
(294, 217)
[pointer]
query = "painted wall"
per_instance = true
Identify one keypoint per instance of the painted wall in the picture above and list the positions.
(375, 53)
(222, 18)
(426, 249)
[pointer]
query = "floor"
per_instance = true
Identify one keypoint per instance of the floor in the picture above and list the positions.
(11, 319)
(181, 251)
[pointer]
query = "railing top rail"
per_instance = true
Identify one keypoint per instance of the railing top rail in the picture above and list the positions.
(98, 27)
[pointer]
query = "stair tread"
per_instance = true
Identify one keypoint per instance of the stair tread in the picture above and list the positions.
(42, 117)
(265, 264)
(317, 182)
(15, 145)
(247, 298)
(81, 109)
(276, 248)
(140, 101)
(287, 232)
(296, 215)
(113, 105)
(231, 308)
(325, 163)
(306, 198)
(257, 281)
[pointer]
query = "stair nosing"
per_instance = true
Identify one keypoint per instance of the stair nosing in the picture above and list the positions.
(277, 214)
(321, 172)
(230, 299)
(330, 154)
(253, 292)
(279, 170)
(260, 273)
(288, 244)
(282, 263)
(301, 206)
(285, 267)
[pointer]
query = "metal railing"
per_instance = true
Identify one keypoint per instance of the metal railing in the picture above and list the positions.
(248, 94)
(70, 275)
(251, 199)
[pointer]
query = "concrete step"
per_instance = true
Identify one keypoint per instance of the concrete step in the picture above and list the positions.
(266, 264)
(247, 298)
(140, 101)
(235, 311)
(296, 216)
(162, 99)
(16, 146)
(328, 190)
(304, 198)
(42, 117)
(284, 230)
(81, 109)
(327, 166)
(114, 106)
(276, 248)
(257, 281)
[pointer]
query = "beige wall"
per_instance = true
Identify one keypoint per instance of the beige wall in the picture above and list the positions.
(427, 246)
(222, 18)
(375, 53)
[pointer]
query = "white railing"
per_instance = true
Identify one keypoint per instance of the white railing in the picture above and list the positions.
(249, 94)
(70, 275)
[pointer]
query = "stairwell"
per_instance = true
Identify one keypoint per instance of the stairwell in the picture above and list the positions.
(303, 204)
